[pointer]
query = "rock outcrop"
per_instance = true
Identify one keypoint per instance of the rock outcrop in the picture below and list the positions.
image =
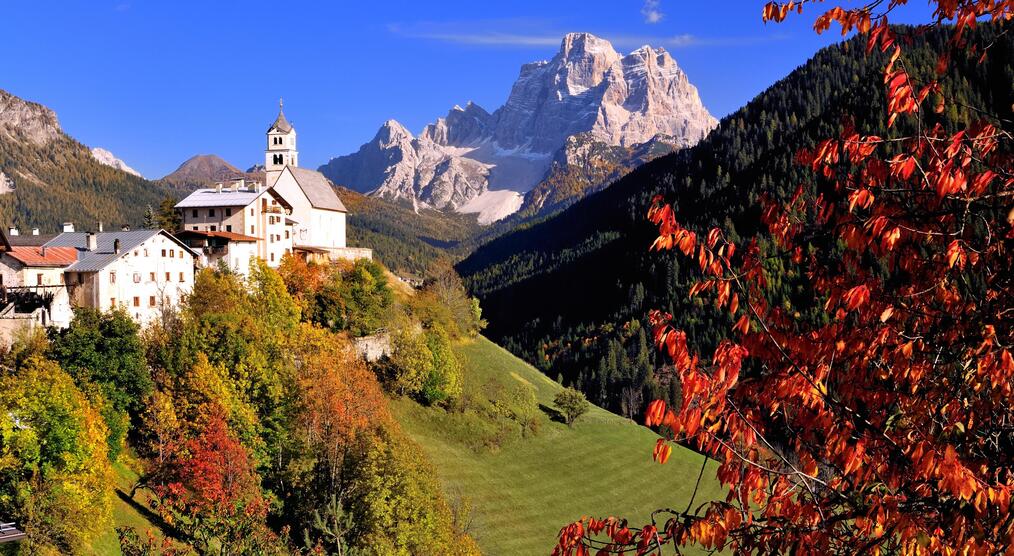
(34, 121)
(109, 159)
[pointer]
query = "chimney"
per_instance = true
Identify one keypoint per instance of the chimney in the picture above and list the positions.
(93, 241)
(116, 246)
(68, 227)
(42, 250)
(35, 231)
(100, 226)
(12, 231)
(238, 184)
(218, 187)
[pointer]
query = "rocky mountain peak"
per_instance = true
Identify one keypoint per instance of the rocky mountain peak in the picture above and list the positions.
(473, 161)
(460, 127)
(109, 159)
(37, 122)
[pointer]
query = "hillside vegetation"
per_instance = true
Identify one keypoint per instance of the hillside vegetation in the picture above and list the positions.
(567, 293)
(523, 490)
(406, 241)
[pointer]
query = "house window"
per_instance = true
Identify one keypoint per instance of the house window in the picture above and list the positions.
(277, 159)
(272, 257)
(214, 228)
(151, 301)
(228, 212)
(194, 213)
(112, 277)
(151, 276)
(112, 302)
(167, 278)
(271, 238)
(181, 253)
(137, 277)
(251, 212)
(137, 301)
(38, 279)
(181, 277)
(211, 213)
(146, 251)
(80, 278)
(286, 234)
(163, 252)
(195, 228)
(172, 253)
(228, 227)
(251, 230)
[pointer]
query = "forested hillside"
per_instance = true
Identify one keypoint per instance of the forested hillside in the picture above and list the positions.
(571, 294)
(407, 241)
(46, 177)
(62, 182)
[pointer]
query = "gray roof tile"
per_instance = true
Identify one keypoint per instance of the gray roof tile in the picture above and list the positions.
(103, 255)
(317, 189)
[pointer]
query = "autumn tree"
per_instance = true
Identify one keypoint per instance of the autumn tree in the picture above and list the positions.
(104, 350)
(884, 425)
(54, 471)
(214, 495)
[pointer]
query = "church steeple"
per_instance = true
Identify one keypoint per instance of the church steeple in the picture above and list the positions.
(281, 151)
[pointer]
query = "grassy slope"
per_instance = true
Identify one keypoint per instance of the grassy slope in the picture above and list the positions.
(523, 494)
(125, 513)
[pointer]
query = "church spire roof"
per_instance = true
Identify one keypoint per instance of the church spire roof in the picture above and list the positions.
(281, 124)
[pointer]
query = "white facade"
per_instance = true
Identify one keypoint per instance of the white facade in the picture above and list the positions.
(314, 227)
(151, 271)
(281, 149)
(18, 274)
(251, 211)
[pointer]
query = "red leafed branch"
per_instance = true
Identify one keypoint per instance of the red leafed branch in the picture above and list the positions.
(890, 425)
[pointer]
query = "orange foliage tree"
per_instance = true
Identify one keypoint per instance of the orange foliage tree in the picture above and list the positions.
(890, 426)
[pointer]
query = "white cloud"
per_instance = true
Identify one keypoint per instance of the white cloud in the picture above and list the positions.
(652, 12)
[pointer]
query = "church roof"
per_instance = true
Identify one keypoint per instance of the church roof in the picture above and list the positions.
(281, 124)
(317, 189)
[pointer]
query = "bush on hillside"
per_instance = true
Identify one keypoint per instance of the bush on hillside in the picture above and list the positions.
(572, 404)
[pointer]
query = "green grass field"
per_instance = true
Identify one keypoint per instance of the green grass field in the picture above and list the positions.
(522, 494)
(126, 511)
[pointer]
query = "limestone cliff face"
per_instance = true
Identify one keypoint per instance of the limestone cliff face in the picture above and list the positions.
(474, 161)
(109, 159)
(34, 121)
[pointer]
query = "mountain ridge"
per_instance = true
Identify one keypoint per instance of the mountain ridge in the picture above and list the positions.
(474, 161)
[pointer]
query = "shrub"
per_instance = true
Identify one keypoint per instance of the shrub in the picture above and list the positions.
(572, 404)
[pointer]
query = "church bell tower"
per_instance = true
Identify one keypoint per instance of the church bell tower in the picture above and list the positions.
(281, 151)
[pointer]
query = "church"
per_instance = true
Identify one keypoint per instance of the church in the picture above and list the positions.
(295, 211)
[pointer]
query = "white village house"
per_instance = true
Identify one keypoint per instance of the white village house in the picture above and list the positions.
(142, 271)
(296, 212)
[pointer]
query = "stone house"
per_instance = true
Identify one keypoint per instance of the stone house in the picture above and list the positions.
(142, 271)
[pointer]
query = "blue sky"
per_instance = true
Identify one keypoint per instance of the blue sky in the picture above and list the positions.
(157, 82)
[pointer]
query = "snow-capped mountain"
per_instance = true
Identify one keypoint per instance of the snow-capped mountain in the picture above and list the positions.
(474, 161)
(109, 159)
